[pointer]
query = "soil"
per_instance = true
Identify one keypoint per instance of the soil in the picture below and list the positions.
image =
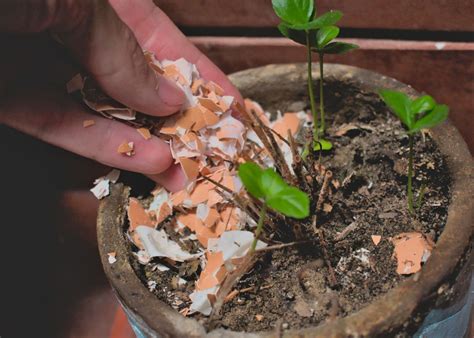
(289, 288)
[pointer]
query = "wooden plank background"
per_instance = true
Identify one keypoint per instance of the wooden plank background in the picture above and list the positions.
(441, 64)
(437, 15)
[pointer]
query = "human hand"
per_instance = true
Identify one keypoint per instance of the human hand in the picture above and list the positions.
(106, 40)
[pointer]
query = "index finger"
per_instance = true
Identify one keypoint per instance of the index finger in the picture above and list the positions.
(156, 33)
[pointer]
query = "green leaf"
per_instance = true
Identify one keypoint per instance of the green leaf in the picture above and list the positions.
(431, 119)
(423, 104)
(294, 11)
(338, 47)
(327, 19)
(322, 144)
(400, 104)
(298, 36)
(250, 175)
(291, 202)
(326, 35)
(271, 183)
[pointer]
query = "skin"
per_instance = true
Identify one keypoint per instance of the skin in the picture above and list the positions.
(105, 39)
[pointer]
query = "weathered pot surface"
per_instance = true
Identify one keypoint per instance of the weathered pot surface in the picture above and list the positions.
(280, 87)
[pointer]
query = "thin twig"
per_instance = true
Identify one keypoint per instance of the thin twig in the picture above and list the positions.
(277, 135)
(273, 147)
(231, 280)
(348, 229)
(324, 189)
(284, 245)
(297, 163)
(332, 275)
(258, 130)
(235, 199)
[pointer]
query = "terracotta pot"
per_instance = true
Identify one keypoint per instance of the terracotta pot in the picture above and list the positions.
(283, 86)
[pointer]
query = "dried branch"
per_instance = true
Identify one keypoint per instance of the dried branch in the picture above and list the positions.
(324, 189)
(278, 157)
(231, 280)
(332, 275)
(297, 163)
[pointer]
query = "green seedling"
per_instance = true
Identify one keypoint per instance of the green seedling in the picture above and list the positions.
(274, 192)
(300, 24)
(418, 114)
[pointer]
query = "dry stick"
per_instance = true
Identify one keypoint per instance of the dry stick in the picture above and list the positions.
(277, 134)
(247, 205)
(261, 135)
(284, 245)
(284, 169)
(324, 189)
(236, 199)
(348, 229)
(297, 163)
(269, 142)
(231, 280)
(332, 275)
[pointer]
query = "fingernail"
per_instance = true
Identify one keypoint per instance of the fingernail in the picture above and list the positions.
(170, 93)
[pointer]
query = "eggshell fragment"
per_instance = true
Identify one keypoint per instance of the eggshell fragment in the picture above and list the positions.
(411, 249)
(101, 188)
(111, 257)
(209, 104)
(201, 300)
(126, 148)
(289, 121)
(88, 123)
(376, 239)
(145, 133)
(137, 215)
(190, 168)
(157, 244)
(214, 272)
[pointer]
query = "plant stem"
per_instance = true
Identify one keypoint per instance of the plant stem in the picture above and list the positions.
(321, 93)
(410, 174)
(258, 231)
(311, 90)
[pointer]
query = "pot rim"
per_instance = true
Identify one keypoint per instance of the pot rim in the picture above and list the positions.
(385, 313)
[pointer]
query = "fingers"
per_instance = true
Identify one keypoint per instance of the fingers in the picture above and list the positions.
(56, 119)
(156, 33)
(173, 178)
(109, 51)
(104, 45)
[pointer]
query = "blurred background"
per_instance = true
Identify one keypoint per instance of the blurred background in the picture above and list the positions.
(52, 281)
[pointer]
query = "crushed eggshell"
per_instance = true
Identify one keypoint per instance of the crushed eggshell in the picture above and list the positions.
(158, 244)
(137, 215)
(233, 245)
(411, 249)
(290, 121)
(201, 301)
(145, 133)
(214, 272)
(126, 148)
(102, 184)
(88, 123)
(111, 257)
(75, 84)
(376, 239)
(327, 208)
